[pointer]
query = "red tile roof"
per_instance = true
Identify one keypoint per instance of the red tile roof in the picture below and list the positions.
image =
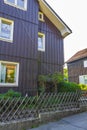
(79, 55)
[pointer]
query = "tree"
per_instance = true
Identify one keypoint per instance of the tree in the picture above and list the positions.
(56, 78)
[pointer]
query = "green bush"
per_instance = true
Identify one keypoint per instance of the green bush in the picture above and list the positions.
(83, 87)
(49, 80)
(68, 87)
(42, 83)
(10, 94)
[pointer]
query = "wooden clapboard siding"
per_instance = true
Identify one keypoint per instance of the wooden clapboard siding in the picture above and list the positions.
(76, 69)
(29, 15)
(53, 55)
(24, 40)
(27, 74)
(76, 66)
(24, 48)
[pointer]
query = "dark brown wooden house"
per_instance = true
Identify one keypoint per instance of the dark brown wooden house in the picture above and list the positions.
(31, 43)
(77, 67)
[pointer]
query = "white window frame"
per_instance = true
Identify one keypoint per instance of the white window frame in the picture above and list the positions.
(82, 79)
(15, 4)
(85, 63)
(12, 28)
(42, 16)
(17, 74)
(43, 36)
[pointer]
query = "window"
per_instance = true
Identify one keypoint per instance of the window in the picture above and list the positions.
(22, 4)
(41, 42)
(40, 16)
(6, 29)
(9, 73)
(85, 63)
(83, 79)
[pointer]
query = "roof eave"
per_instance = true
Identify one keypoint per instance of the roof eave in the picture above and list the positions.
(68, 62)
(54, 18)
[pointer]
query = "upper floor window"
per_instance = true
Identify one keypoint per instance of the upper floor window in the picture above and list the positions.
(9, 73)
(85, 63)
(6, 29)
(22, 4)
(41, 16)
(41, 42)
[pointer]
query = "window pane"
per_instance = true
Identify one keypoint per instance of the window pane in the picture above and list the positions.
(81, 79)
(3, 73)
(85, 81)
(5, 29)
(8, 73)
(11, 1)
(20, 3)
(40, 42)
(85, 63)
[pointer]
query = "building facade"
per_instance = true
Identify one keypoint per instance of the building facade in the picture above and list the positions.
(31, 43)
(77, 67)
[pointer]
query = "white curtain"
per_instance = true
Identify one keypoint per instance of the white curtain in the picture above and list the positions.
(15, 74)
(0, 72)
(3, 73)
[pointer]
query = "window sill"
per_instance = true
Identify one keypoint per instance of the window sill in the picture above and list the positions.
(43, 50)
(6, 40)
(41, 20)
(8, 85)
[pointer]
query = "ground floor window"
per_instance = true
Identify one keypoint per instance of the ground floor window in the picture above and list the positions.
(9, 72)
(83, 79)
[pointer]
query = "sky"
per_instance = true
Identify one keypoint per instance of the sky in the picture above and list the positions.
(73, 13)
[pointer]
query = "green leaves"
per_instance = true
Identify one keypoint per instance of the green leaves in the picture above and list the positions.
(54, 79)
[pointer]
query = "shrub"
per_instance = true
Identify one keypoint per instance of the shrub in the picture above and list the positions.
(56, 78)
(68, 87)
(83, 87)
(49, 80)
(10, 94)
(42, 83)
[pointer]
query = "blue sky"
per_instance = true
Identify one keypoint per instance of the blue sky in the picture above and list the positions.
(73, 13)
